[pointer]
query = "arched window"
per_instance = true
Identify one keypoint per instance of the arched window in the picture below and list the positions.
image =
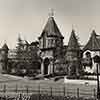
(88, 54)
(87, 61)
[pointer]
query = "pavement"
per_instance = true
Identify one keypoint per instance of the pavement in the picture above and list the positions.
(85, 82)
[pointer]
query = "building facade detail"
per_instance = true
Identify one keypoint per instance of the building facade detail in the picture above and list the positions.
(49, 55)
(73, 55)
(50, 38)
(91, 49)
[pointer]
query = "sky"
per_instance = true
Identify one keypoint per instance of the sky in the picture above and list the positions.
(28, 17)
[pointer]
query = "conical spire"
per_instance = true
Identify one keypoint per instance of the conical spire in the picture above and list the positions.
(73, 42)
(93, 33)
(51, 28)
(19, 42)
(93, 43)
(5, 47)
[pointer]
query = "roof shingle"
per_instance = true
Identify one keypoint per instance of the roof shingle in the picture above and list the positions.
(73, 42)
(51, 28)
(94, 42)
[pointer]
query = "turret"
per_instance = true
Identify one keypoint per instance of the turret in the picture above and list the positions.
(5, 48)
(51, 35)
(3, 58)
(49, 40)
(73, 55)
(90, 51)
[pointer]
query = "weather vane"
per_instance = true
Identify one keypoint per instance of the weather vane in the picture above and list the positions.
(51, 13)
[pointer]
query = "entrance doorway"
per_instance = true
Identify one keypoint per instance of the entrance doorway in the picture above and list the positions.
(46, 63)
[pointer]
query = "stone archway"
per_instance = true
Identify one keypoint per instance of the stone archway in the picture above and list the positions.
(46, 64)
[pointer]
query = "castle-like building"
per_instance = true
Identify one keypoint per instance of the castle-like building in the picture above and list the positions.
(49, 55)
(49, 40)
(3, 57)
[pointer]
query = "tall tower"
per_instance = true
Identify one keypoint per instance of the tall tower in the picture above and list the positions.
(49, 39)
(3, 58)
(73, 55)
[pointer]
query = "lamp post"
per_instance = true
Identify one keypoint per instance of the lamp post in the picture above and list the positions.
(98, 88)
(97, 61)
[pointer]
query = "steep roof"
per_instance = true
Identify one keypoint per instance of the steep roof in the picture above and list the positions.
(93, 43)
(73, 42)
(51, 28)
(5, 47)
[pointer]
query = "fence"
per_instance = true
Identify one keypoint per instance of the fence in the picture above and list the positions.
(5, 90)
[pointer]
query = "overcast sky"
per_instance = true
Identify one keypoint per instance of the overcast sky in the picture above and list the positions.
(28, 17)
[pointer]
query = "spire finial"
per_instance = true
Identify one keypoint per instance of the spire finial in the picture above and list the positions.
(93, 28)
(73, 30)
(5, 41)
(51, 13)
(19, 36)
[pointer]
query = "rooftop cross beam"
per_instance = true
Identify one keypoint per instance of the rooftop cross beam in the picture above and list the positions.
(51, 13)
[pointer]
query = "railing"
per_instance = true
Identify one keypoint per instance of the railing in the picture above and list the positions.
(5, 90)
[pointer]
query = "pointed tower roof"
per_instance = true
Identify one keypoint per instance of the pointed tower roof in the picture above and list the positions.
(73, 42)
(93, 43)
(51, 28)
(5, 47)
